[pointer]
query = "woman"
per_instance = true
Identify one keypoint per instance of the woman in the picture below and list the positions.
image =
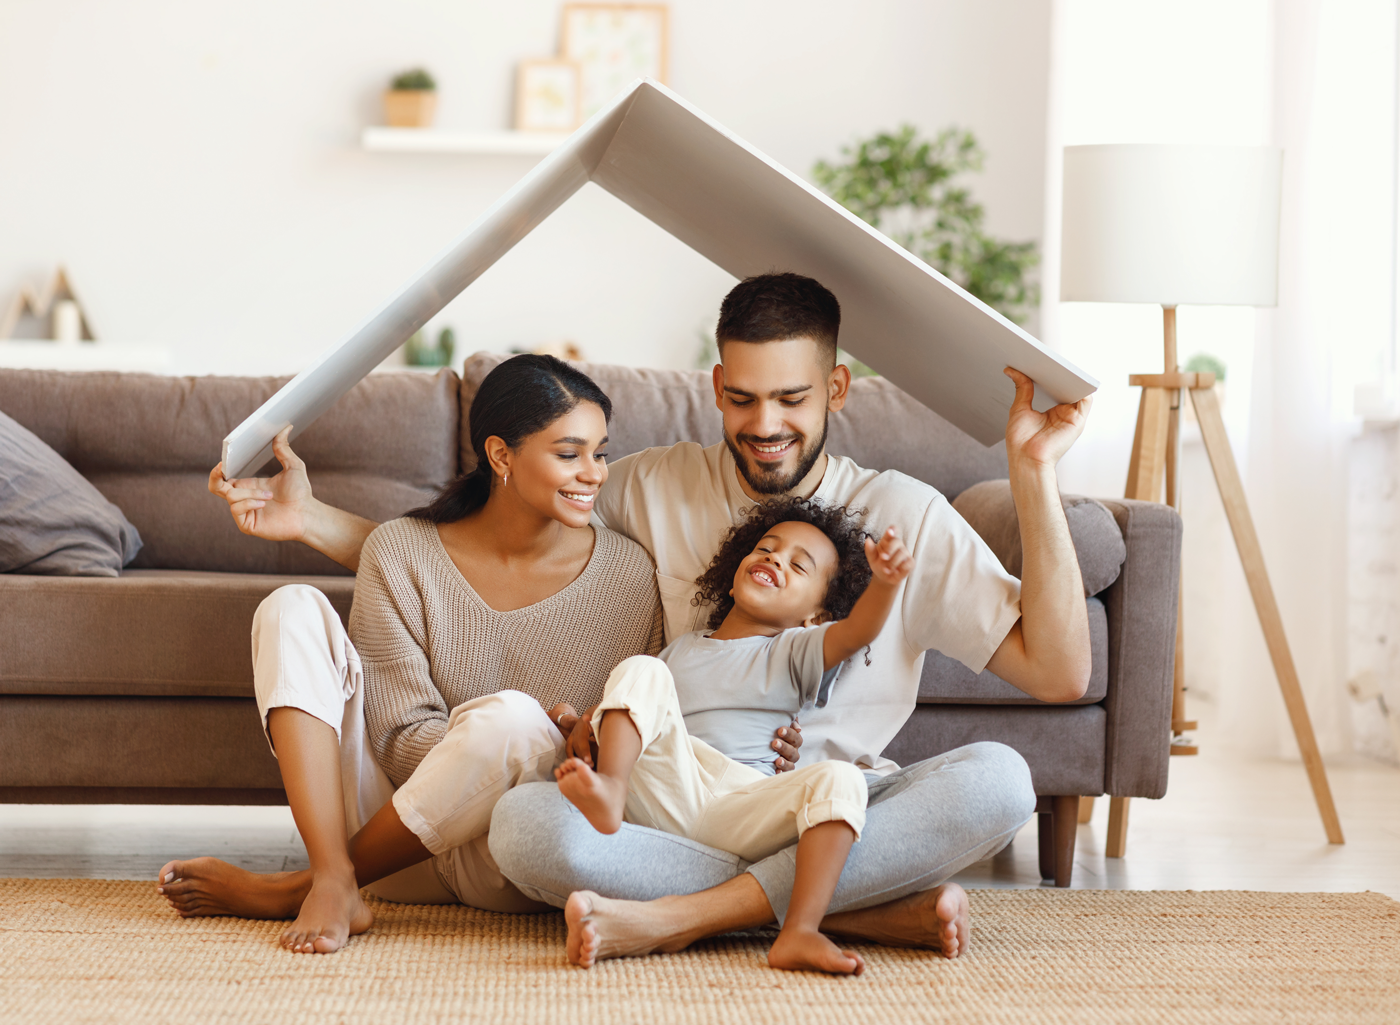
(479, 622)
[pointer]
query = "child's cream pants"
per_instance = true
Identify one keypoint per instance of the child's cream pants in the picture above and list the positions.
(683, 786)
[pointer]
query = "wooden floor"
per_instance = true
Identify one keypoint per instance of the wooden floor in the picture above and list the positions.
(1226, 823)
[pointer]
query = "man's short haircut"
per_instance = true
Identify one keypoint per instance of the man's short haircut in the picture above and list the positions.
(777, 307)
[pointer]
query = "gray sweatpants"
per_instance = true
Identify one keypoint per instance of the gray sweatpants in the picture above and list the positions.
(925, 823)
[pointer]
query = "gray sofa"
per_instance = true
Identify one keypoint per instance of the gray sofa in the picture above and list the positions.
(138, 689)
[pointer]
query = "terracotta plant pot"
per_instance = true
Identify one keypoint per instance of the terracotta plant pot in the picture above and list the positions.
(410, 108)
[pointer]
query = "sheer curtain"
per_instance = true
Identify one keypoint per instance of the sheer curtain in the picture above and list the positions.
(1316, 77)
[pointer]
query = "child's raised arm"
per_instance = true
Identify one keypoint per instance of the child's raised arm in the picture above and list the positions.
(890, 563)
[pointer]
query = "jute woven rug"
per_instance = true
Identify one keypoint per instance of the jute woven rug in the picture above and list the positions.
(94, 951)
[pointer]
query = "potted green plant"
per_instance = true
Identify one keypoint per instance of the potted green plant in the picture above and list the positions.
(904, 185)
(411, 100)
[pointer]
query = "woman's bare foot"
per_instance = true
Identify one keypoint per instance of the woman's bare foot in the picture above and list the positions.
(207, 886)
(602, 799)
(601, 928)
(332, 912)
(797, 951)
(936, 918)
(327, 907)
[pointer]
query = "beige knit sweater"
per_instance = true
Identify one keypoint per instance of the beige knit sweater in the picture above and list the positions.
(428, 642)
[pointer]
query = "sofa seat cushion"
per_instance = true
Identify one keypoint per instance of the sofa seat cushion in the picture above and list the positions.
(157, 633)
(948, 682)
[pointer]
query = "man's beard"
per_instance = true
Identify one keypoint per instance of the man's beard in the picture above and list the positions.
(772, 480)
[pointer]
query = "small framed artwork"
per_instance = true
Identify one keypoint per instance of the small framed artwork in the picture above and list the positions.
(613, 44)
(547, 96)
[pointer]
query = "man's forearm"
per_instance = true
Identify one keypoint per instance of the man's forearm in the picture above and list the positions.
(337, 534)
(1054, 622)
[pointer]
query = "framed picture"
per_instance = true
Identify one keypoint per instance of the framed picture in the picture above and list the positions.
(612, 45)
(547, 96)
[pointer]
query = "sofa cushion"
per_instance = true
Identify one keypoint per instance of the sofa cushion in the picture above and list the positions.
(662, 407)
(52, 521)
(147, 632)
(946, 681)
(148, 442)
(1098, 542)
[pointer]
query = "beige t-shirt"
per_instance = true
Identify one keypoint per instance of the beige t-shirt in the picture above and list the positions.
(678, 502)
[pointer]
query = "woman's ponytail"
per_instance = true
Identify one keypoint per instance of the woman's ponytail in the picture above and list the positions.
(521, 397)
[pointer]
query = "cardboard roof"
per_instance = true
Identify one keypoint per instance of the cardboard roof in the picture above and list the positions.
(733, 205)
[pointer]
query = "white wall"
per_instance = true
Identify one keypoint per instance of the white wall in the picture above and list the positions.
(197, 166)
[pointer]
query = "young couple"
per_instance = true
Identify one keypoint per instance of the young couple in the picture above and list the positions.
(419, 752)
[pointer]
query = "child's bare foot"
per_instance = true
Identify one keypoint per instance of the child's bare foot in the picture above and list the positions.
(332, 912)
(600, 798)
(798, 951)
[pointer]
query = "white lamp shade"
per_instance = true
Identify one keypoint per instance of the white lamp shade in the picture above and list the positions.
(1171, 225)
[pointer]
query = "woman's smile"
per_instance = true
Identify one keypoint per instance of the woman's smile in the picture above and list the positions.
(579, 499)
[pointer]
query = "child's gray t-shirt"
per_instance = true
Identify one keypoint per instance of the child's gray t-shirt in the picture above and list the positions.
(736, 694)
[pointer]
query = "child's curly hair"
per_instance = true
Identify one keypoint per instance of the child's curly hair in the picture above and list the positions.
(843, 527)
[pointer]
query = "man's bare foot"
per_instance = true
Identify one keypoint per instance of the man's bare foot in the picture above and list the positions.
(602, 799)
(937, 919)
(332, 912)
(797, 951)
(602, 928)
(327, 908)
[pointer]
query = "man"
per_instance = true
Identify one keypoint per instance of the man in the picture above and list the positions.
(776, 385)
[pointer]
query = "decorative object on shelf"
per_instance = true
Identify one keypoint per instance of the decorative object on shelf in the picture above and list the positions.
(547, 97)
(1199, 225)
(904, 186)
(614, 44)
(68, 321)
(418, 354)
(411, 100)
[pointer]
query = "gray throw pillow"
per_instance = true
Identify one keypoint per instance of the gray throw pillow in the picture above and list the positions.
(1098, 542)
(52, 521)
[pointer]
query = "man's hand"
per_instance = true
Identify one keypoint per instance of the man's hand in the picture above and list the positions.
(890, 561)
(786, 741)
(272, 508)
(1041, 438)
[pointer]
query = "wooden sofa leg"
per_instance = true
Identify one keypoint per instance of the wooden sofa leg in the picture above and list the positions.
(1086, 809)
(1117, 844)
(1045, 834)
(1066, 825)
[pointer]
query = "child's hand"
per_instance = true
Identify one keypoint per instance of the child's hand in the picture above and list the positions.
(890, 561)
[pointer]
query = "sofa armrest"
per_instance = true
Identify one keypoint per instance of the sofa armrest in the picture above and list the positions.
(1142, 607)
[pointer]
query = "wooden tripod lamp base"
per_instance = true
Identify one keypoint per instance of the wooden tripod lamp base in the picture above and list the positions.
(1155, 461)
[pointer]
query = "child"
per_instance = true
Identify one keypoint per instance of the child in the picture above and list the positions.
(788, 614)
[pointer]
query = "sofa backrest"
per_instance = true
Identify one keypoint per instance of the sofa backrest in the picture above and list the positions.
(881, 427)
(148, 443)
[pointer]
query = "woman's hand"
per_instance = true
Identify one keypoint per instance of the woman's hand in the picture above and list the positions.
(564, 716)
(579, 740)
(786, 741)
(273, 508)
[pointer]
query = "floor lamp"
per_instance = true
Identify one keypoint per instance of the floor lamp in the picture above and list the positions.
(1185, 225)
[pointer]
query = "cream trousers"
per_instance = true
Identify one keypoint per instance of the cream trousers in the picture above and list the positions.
(683, 786)
(303, 658)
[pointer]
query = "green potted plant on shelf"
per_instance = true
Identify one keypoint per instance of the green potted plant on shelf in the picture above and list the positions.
(411, 100)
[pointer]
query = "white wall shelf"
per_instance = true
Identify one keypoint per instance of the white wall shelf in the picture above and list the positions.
(430, 140)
